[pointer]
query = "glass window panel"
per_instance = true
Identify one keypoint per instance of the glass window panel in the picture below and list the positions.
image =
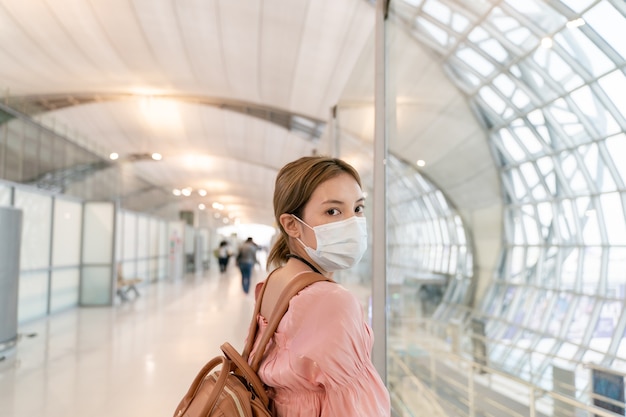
(536, 81)
(517, 34)
(521, 190)
(544, 212)
(459, 23)
(476, 61)
(438, 10)
(567, 222)
(492, 99)
(520, 99)
(583, 50)
(609, 23)
(504, 83)
(605, 326)
(494, 49)
(517, 259)
(592, 262)
(614, 86)
(569, 270)
(532, 257)
(512, 146)
(616, 147)
(590, 224)
(558, 313)
(529, 174)
(537, 11)
(596, 168)
(567, 119)
(530, 230)
(577, 5)
(616, 272)
(435, 32)
(529, 140)
(557, 68)
(613, 213)
(567, 352)
(580, 321)
(602, 121)
(414, 3)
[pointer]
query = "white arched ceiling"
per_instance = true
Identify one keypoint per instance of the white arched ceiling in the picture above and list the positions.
(293, 56)
(302, 57)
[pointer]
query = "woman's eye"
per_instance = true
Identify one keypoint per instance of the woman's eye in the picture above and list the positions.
(359, 209)
(333, 212)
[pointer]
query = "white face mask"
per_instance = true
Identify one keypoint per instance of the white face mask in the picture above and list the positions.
(340, 245)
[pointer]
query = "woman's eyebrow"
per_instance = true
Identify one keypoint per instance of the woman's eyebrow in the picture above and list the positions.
(360, 200)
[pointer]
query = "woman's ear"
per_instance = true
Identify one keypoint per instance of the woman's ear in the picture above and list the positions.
(290, 225)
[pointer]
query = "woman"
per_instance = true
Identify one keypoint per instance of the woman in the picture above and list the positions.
(318, 363)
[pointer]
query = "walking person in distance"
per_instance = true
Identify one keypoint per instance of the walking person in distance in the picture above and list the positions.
(246, 260)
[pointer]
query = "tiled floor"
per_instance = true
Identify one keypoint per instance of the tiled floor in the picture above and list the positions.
(135, 359)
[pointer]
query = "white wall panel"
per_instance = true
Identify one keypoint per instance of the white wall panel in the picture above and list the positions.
(96, 288)
(129, 239)
(66, 236)
(33, 296)
(98, 233)
(163, 238)
(5, 195)
(64, 289)
(36, 228)
(142, 237)
(153, 233)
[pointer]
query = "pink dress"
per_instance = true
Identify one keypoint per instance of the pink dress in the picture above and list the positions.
(318, 363)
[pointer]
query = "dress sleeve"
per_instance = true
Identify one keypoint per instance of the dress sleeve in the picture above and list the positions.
(331, 348)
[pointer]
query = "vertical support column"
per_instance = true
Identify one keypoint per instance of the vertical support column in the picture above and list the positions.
(379, 228)
(10, 243)
(333, 134)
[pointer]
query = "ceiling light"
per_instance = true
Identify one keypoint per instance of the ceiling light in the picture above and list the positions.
(114, 156)
(421, 163)
(176, 192)
(217, 206)
(575, 23)
(217, 215)
(546, 42)
(202, 193)
(157, 156)
(201, 206)
(186, 191)
(225, 220)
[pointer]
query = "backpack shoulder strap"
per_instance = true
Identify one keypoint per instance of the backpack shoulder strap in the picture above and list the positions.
(294, 287)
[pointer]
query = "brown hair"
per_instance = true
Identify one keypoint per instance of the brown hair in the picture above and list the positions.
(295, 183)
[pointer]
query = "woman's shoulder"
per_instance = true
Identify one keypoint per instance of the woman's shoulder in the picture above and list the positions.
(325, 294)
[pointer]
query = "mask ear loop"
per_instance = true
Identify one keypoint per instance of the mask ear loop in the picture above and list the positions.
(298, 239)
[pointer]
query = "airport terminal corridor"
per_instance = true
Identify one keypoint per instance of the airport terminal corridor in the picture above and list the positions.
(133, 359)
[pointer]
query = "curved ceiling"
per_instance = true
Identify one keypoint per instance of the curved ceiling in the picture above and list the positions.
(176, 77)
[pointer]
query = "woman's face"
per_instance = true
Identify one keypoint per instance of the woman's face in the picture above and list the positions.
(337, 199)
